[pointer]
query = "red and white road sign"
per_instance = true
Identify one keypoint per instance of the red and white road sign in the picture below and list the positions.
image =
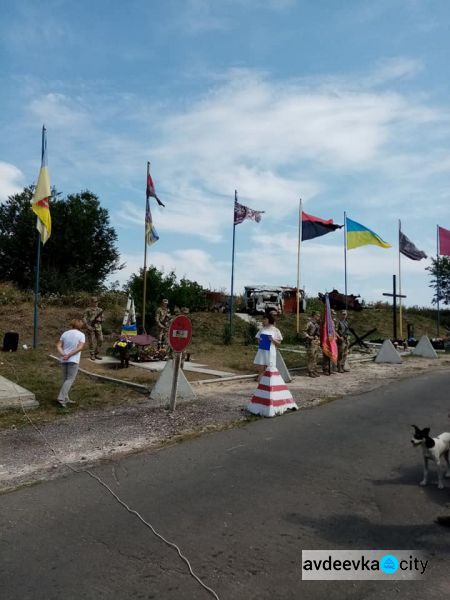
(180, 333)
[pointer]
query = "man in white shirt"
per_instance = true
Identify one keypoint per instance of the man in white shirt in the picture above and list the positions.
(69, 346)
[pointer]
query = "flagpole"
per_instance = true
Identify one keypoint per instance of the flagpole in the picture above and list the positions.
(38, 262)
(345, 258)
(232, 265)
(400, 280)
(437, 280)
(300, 228)
(144, 294)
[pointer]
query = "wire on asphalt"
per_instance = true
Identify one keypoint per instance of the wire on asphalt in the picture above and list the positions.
(119, 500)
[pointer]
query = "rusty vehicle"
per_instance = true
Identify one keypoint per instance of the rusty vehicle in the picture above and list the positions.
(340, 301)
(262, 299)
(217, 301)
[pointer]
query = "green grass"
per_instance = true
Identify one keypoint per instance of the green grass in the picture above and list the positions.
(35, 371)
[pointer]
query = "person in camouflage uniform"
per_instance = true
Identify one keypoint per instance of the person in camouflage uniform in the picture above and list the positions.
(163, 319)
(343, 333)
(312, 335)
(92, 318)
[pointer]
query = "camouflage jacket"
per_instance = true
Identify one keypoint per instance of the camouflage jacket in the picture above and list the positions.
(342, 328)
(312, 331)
(93, 318)
(162, 317)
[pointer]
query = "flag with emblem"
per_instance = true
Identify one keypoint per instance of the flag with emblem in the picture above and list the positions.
(151, 193)
(151, 234)
(41, 198)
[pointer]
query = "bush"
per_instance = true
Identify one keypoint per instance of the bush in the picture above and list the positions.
(250, 332)
(227, 336)
(11, 294)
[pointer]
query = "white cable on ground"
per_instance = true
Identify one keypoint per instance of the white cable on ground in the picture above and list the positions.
(121, 502)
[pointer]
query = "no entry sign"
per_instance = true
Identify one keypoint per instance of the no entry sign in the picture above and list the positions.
(180, 333)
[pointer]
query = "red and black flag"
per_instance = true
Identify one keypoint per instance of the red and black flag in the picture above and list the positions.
(313, 227)
(151, 193)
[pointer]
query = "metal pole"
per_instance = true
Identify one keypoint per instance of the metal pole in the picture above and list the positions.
(176, 369)
(36, 292)
(400, 281)
(144, 293)
(438, 285)
(300, 228)
(232, 267)
(345, 258)
(38, 262)
(394, 306)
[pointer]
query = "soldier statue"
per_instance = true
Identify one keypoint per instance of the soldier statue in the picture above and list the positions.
(312, 336)
(163, 318)
(92, 318)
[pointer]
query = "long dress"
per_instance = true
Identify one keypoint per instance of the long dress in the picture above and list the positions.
(267, 350)
(272, 396)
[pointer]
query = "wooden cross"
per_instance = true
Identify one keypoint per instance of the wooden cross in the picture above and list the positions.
(394, 305)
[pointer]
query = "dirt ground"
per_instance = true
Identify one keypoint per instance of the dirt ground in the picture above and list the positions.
(84, 438)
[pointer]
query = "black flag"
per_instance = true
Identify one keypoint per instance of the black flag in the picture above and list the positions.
(409, 249)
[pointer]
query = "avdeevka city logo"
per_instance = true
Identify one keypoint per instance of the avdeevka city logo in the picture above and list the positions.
(389, 564)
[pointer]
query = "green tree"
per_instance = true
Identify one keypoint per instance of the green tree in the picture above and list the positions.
(80, 253)
(184, 293)
(440, 282)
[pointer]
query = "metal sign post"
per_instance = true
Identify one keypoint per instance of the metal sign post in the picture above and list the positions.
(180, 335)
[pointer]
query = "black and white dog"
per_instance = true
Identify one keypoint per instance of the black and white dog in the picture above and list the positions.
(435, 449)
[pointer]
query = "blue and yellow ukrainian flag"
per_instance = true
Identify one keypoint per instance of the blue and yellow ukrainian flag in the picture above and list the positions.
(358, 235)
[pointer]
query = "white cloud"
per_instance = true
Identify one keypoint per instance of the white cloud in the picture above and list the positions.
(338, 143)
(11, 180)
(394, 69)
(60, 111)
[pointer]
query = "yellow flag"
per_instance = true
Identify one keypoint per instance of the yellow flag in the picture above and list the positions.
(41, 198)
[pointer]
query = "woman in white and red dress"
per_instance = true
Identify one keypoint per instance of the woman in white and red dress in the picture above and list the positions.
(269, 338)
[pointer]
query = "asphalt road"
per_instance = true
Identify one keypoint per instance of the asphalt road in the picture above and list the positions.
(242, 504)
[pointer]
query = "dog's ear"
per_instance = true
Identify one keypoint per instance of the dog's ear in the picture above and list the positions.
(426, 431)
(415, 427)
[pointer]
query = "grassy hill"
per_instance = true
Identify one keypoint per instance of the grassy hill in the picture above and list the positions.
(37, 372)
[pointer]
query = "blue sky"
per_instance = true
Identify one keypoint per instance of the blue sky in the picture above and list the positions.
(343, 104)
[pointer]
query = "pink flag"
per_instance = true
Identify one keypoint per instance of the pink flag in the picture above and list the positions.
(328, 334)
(444, 241)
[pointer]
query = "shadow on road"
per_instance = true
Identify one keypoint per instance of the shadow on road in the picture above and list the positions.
(353, 531)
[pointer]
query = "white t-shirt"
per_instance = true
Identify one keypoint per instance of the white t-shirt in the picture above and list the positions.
(70, 340)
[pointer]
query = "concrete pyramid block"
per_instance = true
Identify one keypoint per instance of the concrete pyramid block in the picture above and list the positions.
(282, 368)
(424, 348)
(163, 387)
(388, 354)
(13, 396)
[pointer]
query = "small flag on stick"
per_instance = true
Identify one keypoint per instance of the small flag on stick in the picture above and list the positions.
(40, 203)
(129, 327)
